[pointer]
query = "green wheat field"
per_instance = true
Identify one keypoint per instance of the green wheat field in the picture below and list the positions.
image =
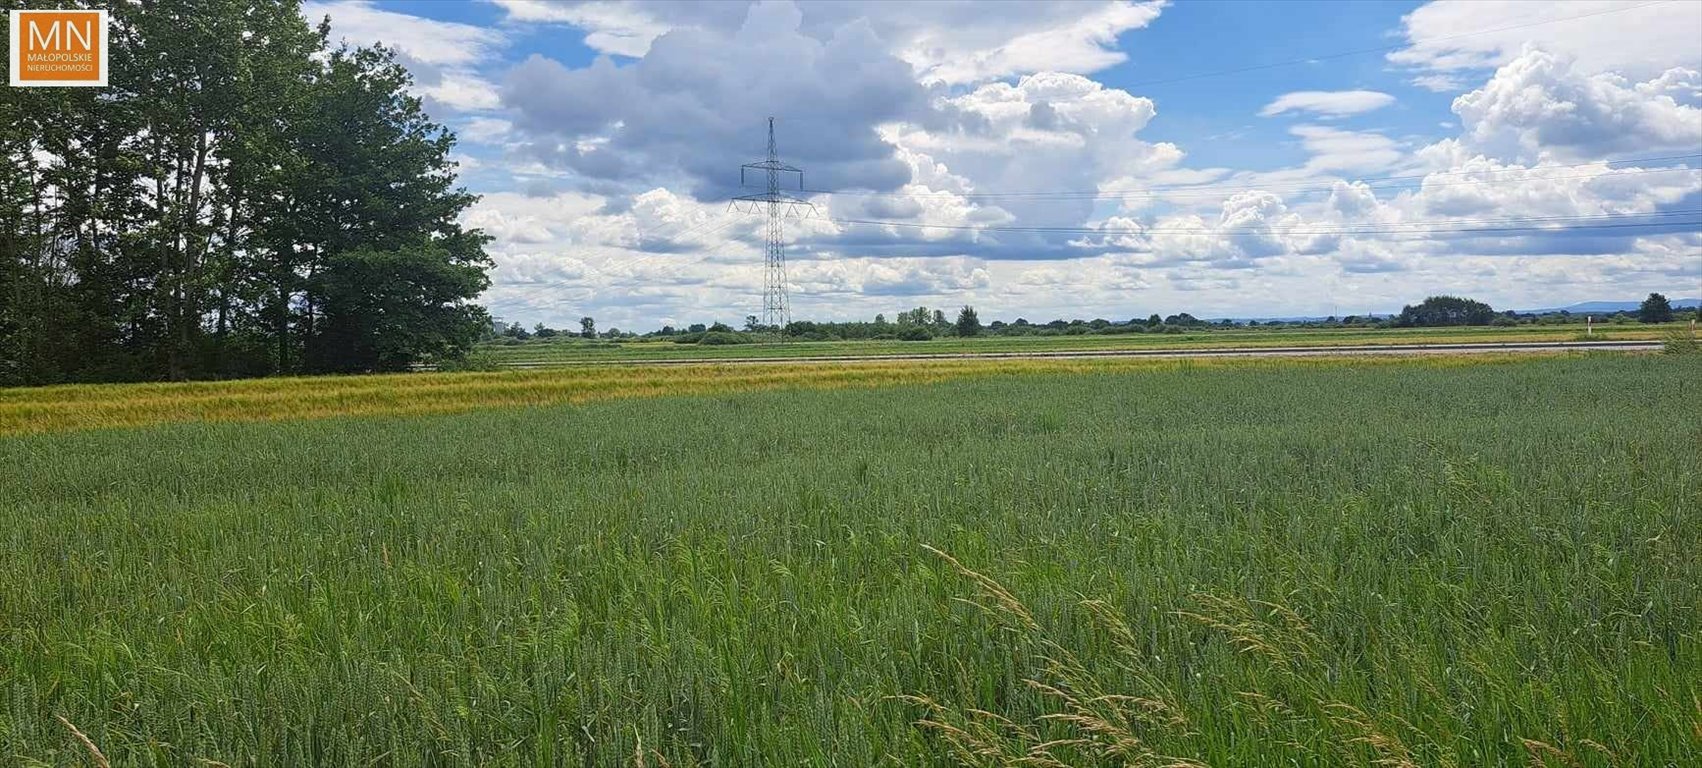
(1428, 562)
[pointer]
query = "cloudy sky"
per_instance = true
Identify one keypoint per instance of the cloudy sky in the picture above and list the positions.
(1096, 159)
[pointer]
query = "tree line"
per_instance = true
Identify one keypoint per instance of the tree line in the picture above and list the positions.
(917, 324)
(922, 323)
(245, 199)
(1438, 311)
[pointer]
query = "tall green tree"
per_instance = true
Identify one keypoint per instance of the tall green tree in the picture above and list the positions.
(22, 239)
(1655, 309)
(240, 201)
(1445, 310)
(389, 271)
(917, 316)
(968, 323)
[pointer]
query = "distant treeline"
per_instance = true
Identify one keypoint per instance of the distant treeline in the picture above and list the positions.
(1439, 311)
(921, 323)
(243, 200)
(916, 324)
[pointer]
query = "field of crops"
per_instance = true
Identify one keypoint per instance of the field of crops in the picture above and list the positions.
(56, 409)
(1246, 563)
(574, 350)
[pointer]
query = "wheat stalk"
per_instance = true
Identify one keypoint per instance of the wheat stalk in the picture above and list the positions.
(99, 759)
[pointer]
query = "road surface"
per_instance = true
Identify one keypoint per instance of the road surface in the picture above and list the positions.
(1311, 351)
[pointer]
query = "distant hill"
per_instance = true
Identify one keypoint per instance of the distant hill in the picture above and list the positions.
(1582, 307)
(1611, 306)
(1303, 318)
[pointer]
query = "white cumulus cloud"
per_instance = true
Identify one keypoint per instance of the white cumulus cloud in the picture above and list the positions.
(945, 42)
(1540, 104)
(1328, 103)
(1633, 37)
(446, 58)
(1085, 44)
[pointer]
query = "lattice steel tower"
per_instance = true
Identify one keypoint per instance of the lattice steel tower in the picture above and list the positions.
(775, 309)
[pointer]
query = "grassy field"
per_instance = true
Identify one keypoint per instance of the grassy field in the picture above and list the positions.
(574, 350)
(1420, 562)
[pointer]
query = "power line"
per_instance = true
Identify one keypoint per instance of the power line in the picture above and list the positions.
(726, 221)
(1584, 222)
(1374, 182)
(671, 240)
(1286, 190)
(1387, 228)
(1379, 49)
(1411, 228)
(1383, 49)
(701, 253)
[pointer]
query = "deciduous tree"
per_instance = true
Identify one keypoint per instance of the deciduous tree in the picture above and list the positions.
(1445, 310)
(968, 324)
(1655, 309)
(241, 200)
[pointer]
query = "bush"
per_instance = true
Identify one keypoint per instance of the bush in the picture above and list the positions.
(475, 360)
(1445, 310)
(720, 338)
(1504, 322)
(1682, 341)
(914, 333)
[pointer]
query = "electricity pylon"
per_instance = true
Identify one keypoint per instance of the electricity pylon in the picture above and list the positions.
(775, 311)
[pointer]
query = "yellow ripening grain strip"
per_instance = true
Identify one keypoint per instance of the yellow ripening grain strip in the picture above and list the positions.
(65, 408)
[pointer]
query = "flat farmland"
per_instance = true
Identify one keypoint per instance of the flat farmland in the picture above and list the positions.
(1437, 561)
(564, 350)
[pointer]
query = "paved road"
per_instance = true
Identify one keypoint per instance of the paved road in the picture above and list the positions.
(1312, 351)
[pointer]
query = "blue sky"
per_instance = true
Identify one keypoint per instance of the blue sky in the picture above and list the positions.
(1215, 158)
(1217, 116)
